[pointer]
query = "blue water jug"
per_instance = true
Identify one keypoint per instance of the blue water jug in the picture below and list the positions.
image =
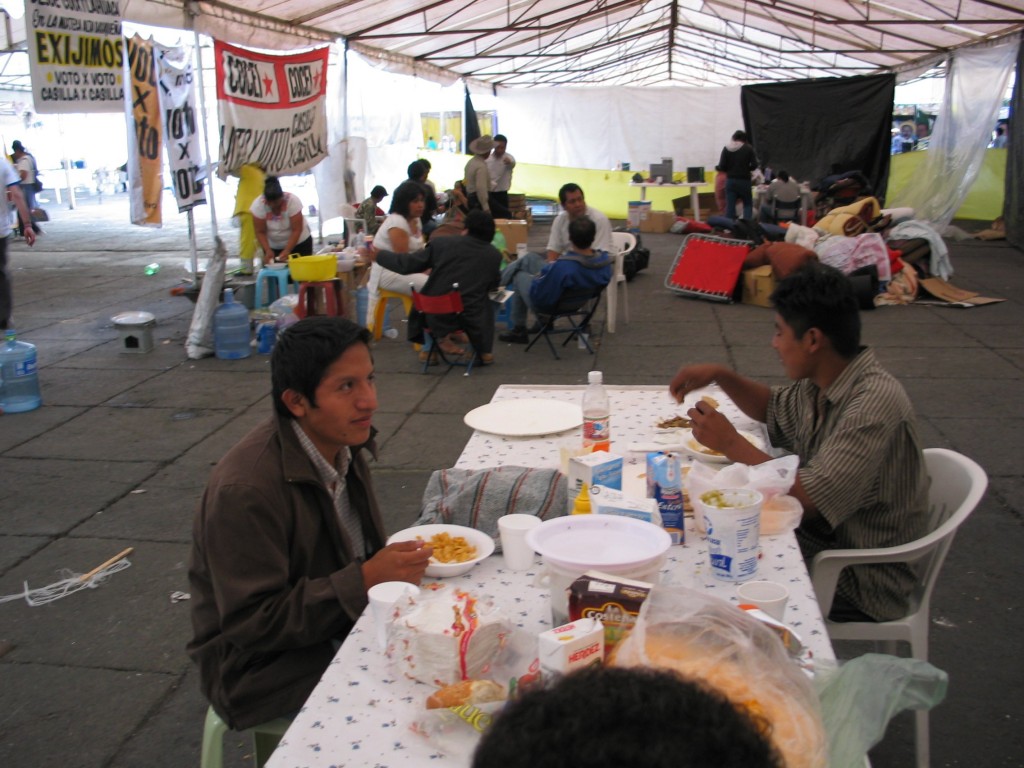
(231, 329)
(362, 303)
(20, 389)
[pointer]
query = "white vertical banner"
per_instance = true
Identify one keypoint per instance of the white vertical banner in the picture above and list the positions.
(176, 86)
(75, 55)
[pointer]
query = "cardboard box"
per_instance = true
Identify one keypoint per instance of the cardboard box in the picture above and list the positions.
(597, 468)
(516, 231)
(758, 284)
(571, 646)
(658, 222)
(638, 212)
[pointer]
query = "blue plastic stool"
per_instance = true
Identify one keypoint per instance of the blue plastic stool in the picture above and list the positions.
(277, 286)
(504, 315)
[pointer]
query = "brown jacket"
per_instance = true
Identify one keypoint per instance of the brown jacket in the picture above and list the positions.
(274, 585)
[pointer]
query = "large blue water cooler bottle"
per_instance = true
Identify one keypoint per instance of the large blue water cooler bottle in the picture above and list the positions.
(231, 332)
(19, 382)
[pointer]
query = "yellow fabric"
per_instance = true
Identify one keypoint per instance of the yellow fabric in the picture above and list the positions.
(250, 186)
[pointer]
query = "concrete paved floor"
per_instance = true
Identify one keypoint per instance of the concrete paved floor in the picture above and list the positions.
(119, 453)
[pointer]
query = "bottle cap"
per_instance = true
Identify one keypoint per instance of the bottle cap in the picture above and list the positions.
(582, 504)
(595, 377)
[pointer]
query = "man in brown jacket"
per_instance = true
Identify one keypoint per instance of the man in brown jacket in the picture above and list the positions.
(288, 536)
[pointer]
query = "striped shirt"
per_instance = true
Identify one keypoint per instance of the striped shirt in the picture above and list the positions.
(333, 478)
(861, 464)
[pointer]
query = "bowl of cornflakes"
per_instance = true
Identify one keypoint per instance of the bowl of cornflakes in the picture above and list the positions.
(456, 548)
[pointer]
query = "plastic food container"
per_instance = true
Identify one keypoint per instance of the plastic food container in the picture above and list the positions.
(313, 269)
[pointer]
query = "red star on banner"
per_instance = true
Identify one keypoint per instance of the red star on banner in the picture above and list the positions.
(316, 81)
(268, 85)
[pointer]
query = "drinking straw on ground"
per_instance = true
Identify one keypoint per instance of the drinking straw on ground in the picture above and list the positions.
(72, 582)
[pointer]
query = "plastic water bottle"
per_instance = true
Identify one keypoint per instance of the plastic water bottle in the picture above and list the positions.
(597, 433)
(20, 389)
(152, 269)
(231, 329)
(362, 304)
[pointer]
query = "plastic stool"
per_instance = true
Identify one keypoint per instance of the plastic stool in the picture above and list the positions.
(382, 305)
(310, 295)
(275, 290)
(265, 738)
(504, 315)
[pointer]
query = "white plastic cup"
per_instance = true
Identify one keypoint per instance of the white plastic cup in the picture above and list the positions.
(518, 554)
(732, 518)
(521, 250)
(382, 598)
(770, 596)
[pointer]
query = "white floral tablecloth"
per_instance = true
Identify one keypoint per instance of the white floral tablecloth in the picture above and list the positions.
(359, 714)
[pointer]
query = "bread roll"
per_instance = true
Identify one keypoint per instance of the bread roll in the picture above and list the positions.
(466, 692)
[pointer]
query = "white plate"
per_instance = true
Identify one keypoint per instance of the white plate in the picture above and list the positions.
(525, 417)
(484, 546)
(596, 541)
(702, 452)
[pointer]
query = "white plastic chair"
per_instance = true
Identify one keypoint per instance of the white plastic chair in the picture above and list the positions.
(957, 485)
(624, 242)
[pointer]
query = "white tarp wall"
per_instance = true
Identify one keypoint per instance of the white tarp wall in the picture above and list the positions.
(601, 127)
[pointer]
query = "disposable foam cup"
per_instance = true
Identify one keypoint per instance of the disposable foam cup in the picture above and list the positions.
(521, 250)
(771, 597)
(733, 526)
(518, 554)
(382, 598)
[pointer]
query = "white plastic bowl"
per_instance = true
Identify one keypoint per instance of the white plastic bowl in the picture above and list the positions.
(605, 542)
(134, 318)
(484, 546)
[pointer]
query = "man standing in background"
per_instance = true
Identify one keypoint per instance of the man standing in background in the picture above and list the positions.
(10, 180)
(478, 178)
(26, 167)
(500, 165)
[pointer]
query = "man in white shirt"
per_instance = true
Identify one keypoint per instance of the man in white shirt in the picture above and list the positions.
(573, 207)
(12, 182)
(500, 164)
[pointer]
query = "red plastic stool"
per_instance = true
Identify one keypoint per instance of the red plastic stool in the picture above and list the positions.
(321, 298)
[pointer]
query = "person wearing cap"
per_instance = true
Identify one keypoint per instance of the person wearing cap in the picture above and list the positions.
(478, 178)
(281, 229)
(26, 167)
(10, 178)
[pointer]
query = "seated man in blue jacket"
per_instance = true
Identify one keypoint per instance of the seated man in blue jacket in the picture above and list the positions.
(539, 283)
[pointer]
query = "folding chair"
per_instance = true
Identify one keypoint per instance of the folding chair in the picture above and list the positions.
(783, 211)
(576, 306)
(446, 304)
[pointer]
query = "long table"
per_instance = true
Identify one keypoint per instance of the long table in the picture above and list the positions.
(691, 185)
(360, 712)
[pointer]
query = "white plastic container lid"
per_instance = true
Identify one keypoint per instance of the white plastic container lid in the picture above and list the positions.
(598, 541)
(134, 318)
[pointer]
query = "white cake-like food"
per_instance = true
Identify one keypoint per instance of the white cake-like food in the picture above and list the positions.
(447, 636)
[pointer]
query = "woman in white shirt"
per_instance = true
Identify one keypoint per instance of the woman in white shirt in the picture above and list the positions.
(281, 229)
(399, 233)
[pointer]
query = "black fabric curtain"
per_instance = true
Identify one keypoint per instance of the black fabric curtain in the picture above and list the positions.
(815, 128)
(472, 124)
(1013, 202)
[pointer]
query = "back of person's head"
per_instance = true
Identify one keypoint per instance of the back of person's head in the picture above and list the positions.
(303, 353)
(563, 193)
(582, 232)
(739, 136)
(378, 193)
(610, 717)
(417, 171)
(784, 175)
(405, 195)
(822, 297)
(426, 165)
(500, 137)
(272, 189)
(480, 224)
(17, 146)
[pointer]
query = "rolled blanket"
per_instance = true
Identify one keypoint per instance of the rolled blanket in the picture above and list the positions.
(478, 497)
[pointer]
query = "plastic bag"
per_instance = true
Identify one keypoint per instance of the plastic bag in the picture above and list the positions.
(707, 639)
(456, 730)
(779, 514)
(859, 698)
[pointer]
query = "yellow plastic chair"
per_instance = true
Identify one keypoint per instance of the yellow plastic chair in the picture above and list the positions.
(382, 305)
(265, 739)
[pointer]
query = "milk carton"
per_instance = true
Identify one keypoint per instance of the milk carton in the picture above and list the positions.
(608, 501)
(665, 486)
(590, 469)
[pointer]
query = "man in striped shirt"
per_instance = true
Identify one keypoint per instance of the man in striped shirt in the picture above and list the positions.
(862, 478)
